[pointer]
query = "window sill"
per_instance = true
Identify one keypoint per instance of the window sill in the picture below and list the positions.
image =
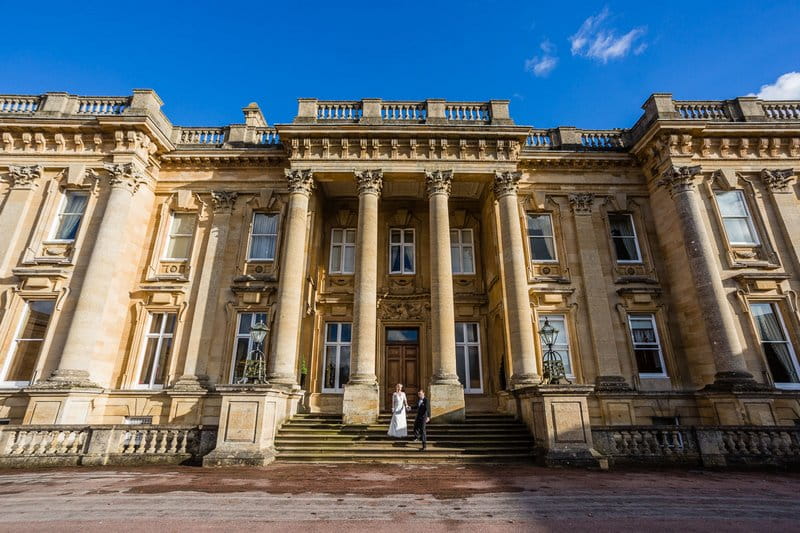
(787, 386)
(653, 376)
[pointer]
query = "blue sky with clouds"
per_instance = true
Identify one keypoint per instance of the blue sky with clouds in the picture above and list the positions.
(585, 64)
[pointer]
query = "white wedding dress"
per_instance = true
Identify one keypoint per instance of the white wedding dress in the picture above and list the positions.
(398, 427)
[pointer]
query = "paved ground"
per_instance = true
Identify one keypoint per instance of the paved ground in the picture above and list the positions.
(394, 498)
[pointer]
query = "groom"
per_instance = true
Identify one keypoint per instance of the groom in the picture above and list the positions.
(423, 417)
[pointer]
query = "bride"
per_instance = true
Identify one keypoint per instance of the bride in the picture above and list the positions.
(398, 427)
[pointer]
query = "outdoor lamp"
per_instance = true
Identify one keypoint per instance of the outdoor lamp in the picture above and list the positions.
(258, 332)
(549, 333)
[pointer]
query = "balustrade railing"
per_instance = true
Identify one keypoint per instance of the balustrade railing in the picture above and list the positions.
(703, 110)
(156, 440)
(467, 112)
(90, 105)
(268, 136)
(602, 140)
(404, 111)
(638, 442)
(539, 139)
(204, 136)
(333, 110)
(761, 442)
(782, 110)
(49, 441)
(19, 104)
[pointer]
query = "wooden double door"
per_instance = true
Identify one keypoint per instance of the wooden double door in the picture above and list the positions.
(402, 363)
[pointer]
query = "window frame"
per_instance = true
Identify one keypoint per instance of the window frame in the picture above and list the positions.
(659, 344)
(467, 344)
(165, 256)
(403, 244)
(552, 236)
(51, 234)
(461, 246)
(635, 237)
(338, 344)
(564, 331)
(250, 236)
(749, 218)
(236, 336)
(146, 336)
(12, 349)
(776, 309)
(344, 245)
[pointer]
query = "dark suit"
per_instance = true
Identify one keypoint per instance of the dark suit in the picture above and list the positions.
(421, 421)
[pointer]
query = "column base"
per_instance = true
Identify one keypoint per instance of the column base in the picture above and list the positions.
(286, 381)
(447, 402)
(191, 383)
(65, 379)
(611, 384)
(360, 404)
(524, 380)
(737, 381)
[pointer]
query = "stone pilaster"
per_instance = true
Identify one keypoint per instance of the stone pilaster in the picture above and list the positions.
(360, 401)
(283, 365)
(446, 392)
(24, 179)
(779, 183)
(207, 293)
(711, 297)
(515, 286)
(609, 376)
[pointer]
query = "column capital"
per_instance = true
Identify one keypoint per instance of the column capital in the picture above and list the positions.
(369, 181)
(505, 183)
(223, 201)
(438, 181)
(301, 181)
(581, 203)
(24, 176)
(679, 179)
(777, 180)
(124, 176)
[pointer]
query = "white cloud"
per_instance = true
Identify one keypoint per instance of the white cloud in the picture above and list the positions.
(595, 40)
(786, 87)
(541, 65)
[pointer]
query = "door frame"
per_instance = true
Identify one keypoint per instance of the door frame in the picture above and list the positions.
(422, 363)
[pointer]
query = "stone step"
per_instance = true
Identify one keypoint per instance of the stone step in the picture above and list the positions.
(415, 457)
(382, 431)
(472, 427)
(300, 436)
(487, 444)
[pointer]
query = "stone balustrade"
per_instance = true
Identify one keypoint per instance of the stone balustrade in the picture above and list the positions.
(468, 112)
(539, 139)
(576, 139)
(761, 443)
(26, 446)
(339, 111)
(404, 112)
(703, 110)
(19, 104)
(202, 136)
(782, 110)
(377, 111)
(113, 105)
(636, 444)
(267, 136)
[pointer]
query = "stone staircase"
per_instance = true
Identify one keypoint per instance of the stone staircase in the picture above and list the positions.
(483, 438)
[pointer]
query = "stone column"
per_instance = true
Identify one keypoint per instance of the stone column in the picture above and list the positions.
(360, 403)
(283, 365)
(515, 286)
(446, 392)
(206, 297)
(23, 182)
(715, 307)
(601, 328)
(90, 349)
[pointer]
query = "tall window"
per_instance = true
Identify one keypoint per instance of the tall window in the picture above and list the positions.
(157, 350)
(562, 340)
(263, 237)
(540, 238)
(343, 251)
(244, 345)
(21, 362)
(401, 251)
(462, 251)
(468, 357)
(780, 355)
(179, 240)
(338, 336)
(69, 216)
(736, 218)
(623, 235)
(646, 346)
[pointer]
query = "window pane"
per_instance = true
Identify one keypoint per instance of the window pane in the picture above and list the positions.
(769, 329)
(336, 258)
(337, 236)
(76, 203)
(155, 322)
(149, 358)
(468, 260)
(182, 224)
(344, 365)
(245, 319)
(170, 325)
(459, 332)
(333, 333)
(161, 367)
(542, 249)
(466, 236)
(454, 237)
(739, 231)
(404, 335)
(262, 247)
(265, 224)
(330, 367)
(350, 236)
(626, 249)
(455, 259)
(179, 247)
(349, 259)
(24, 363)
(68, 227)
(409, 236)
(540, 225)
(461, 365)
(621, 225)
(781, 365)
(395, 259)
(472, 332)
(648, 361)
(395, 235)
(474, 367)
(38, 316)
(240, 357)
(643, 332)
(408, 259)
(346, 331)
(731, 204)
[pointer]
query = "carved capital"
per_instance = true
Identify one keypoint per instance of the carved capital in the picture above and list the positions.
(439, 181)
(125, 176)
(24, 177)
(777, 180)
(581, 203)
(369, 181)
(301, 181)
(505, 183)
(223, 200)
(679, 179)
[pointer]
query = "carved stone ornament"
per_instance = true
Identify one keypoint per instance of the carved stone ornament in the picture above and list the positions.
(678, 179)
(581, 203)
(403, 310)
(301, 181)
(439, 181)
(369, 181)
(505, 183)
(777, 180)
(125, 175)
(24, 177)
(223, 200)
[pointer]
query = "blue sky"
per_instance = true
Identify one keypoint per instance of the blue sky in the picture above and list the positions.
(585, 64)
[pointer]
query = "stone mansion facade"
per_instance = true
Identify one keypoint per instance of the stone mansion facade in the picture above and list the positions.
(422, 243)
